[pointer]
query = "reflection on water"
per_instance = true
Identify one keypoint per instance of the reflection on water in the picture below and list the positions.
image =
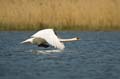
(47, 51)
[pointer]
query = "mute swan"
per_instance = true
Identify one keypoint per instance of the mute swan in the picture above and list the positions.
(47, 37)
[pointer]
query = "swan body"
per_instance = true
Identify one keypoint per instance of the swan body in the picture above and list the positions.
(47, 37)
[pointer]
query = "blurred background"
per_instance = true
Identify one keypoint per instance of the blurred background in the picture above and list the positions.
(82, 15)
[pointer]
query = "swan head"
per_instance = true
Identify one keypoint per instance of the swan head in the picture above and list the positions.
(77, 38)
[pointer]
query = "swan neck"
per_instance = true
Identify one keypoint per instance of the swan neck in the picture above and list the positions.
(70, 40)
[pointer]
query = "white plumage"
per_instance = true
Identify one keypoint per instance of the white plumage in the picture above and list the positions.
(46, 37)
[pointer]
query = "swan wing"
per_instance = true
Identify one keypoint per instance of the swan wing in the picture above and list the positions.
(50, 37)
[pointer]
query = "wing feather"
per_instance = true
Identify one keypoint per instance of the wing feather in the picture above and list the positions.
(50, 37)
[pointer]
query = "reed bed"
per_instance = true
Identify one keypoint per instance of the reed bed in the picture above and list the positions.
(60, 14)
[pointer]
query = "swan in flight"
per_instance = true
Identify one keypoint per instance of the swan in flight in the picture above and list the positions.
(46, 38)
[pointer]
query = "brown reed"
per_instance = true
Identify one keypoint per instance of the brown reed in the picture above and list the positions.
(60, 14)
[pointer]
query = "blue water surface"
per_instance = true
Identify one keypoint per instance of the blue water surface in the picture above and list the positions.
(95, 56)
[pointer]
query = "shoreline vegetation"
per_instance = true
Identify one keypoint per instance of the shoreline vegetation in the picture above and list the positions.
(79, 15)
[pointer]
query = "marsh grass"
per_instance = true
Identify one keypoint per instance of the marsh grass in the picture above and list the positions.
(91, 15)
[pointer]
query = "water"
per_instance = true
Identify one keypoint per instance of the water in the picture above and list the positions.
(95, 56)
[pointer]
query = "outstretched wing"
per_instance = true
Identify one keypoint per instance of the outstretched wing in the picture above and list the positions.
(50, 37)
